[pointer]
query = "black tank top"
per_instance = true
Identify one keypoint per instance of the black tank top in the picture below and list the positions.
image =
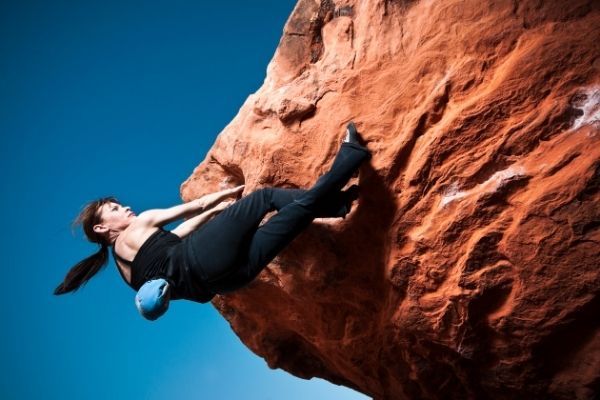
(158, 258)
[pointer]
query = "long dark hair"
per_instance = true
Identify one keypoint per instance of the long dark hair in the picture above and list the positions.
(85, 269)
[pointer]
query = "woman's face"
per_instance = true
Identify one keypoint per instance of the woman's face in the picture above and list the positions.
(116, 216)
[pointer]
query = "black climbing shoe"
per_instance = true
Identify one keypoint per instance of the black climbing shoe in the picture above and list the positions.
(352, 135)
(349, 195)
(339, 204)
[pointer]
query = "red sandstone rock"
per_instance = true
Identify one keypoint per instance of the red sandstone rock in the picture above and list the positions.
(470, 266)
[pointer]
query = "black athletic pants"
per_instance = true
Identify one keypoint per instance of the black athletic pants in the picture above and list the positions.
(231, 249)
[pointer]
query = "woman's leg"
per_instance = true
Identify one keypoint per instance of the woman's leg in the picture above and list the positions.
(293, 218)
(334, 205)
(215, 248)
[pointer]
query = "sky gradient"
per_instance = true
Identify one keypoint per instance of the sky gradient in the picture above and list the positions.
(120, 98)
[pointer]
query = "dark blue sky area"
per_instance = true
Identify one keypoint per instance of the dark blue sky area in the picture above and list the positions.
(119, 98)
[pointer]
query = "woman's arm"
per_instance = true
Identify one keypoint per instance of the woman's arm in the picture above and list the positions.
(187, 227)
(212, 199)
(160, 217)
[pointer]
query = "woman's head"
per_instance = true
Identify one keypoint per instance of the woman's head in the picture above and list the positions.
(108, 219)
(101, 221)
(91, 215)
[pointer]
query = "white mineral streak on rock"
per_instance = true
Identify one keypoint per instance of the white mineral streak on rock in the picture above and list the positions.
(500, 177)
(491, 185)
(590, 107)
(452, 194)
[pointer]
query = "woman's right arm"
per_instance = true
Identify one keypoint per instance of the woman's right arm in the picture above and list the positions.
(187, 227)
(160, 217)
(213, 199)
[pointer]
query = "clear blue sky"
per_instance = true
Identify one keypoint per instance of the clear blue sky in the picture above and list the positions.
(119, 98)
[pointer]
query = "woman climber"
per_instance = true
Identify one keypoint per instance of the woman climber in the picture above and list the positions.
(205, 256)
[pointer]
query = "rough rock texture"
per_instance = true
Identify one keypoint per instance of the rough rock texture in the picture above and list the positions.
(470, 266)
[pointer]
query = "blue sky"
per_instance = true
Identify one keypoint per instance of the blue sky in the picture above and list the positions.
(119, 98)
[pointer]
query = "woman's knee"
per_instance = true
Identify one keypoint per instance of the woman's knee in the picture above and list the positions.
(266, 191)
(260, 192)
(265, 194)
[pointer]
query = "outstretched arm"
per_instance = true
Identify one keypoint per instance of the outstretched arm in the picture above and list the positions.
(160, 217)
(213, 199)
(187, 227)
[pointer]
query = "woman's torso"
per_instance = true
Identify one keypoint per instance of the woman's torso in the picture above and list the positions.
(128, 244)
(151, 260)
(158, 255)
(126, 247)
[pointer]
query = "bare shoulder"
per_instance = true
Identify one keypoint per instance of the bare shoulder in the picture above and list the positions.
(133, 237)
(145, 217)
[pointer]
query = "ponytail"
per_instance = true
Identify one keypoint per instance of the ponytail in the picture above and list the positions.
(83, 271)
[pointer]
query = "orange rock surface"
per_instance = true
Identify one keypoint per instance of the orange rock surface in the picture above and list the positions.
(470, 266)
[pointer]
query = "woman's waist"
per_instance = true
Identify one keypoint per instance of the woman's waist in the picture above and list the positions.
(146, 268)
(180, 270)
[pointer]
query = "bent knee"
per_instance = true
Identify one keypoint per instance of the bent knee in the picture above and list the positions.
(265, 194)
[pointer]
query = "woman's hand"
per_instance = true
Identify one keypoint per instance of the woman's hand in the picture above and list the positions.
(194, 223)
(209, 201)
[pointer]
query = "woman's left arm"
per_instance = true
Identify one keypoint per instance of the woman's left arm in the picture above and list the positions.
(160, 217)
(213, 199)
(190, 225)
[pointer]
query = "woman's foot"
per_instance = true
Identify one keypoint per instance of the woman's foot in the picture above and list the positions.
(340, 204)
(351, 195)
(352, 135)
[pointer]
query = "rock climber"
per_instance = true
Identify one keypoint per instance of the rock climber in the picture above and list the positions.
(220, 247)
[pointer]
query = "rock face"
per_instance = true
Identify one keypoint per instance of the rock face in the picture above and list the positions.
(470, 266)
